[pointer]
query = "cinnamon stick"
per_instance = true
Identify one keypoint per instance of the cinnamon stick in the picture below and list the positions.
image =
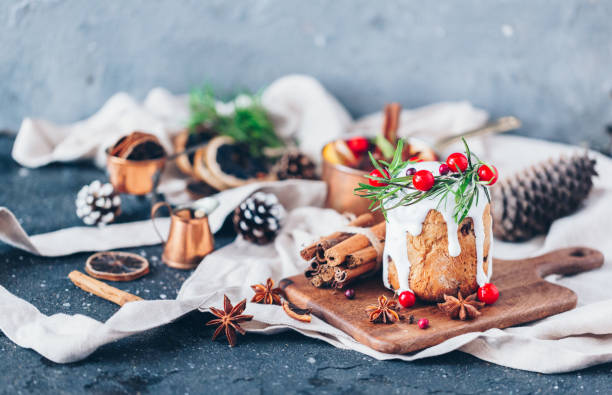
(316, 281)
(360, 257)
(337, 254)
(103, 290)
(327, 274)
(344, 276)
(329, 241)
(313, 269)
(391, 123)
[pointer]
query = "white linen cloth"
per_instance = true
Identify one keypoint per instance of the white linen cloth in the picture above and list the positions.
(565, 342)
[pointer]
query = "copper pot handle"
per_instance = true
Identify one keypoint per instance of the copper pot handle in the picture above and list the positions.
(154, 211)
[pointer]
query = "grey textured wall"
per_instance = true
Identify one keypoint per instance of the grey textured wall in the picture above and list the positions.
(549, 62)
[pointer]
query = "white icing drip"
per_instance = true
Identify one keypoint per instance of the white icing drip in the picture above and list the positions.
(409, 219)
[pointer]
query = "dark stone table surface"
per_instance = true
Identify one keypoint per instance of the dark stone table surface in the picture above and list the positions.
(180, 358)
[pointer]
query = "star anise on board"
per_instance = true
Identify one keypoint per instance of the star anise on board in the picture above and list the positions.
(385, 312)
(266, 294)
(229, 320)
(464, 309)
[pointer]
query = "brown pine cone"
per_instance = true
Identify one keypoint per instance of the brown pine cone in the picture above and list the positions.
(525, 205)
(296, 165)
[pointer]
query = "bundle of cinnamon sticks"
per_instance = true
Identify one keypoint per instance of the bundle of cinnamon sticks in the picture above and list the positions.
(342, 257)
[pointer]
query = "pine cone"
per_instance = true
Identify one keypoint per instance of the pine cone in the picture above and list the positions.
(296, 165)
(259, 218)
(526, 204)
(98, 204)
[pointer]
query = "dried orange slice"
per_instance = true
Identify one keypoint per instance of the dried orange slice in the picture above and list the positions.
(338, 152)
(116, 266)
(345, 153)
(330, 154)
(230, 163)
(296, 313)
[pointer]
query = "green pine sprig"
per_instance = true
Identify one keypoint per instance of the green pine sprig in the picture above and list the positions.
(463, 188)
(249, 124)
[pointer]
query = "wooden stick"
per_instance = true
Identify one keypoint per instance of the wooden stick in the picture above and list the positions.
(337, 254)
(345, 276)
(103, 290)
(329, 241)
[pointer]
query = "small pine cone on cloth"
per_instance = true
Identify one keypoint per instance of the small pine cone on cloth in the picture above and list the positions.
(526, 204)
(259, 218)
(98, 204)
(296, 165)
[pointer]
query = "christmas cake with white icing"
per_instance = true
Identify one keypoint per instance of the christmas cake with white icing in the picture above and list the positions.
(439, 227)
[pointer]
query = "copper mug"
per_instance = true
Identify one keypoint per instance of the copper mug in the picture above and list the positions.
(189, 238)
(342, 180)
(135, 177)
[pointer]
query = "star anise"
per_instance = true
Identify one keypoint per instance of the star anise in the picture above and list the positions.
(384, 312)
(229, 319)
(464, 309)
(266, 294)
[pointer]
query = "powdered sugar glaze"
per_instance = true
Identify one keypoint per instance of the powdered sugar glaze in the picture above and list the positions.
(409, 219)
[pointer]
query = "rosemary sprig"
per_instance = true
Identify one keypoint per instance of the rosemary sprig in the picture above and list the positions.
(249, 124)
(463, 188)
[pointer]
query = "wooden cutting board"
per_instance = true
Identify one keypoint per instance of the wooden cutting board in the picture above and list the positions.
(524, 297)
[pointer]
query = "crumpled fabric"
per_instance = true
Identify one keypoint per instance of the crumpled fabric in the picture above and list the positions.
(572, 340)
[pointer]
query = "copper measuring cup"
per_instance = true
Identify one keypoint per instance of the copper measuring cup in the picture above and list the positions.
(139, 177)
(189, 238)
(135, 177)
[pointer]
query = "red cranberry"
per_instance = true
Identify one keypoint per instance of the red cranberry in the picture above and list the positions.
(358, 145)
(410, 171)
(444, 169)
(377, 173)
(349, 293)
(423, 323)
(423, 180)
(457, 162)
(488, 293)
(406, 299)
(488, 173)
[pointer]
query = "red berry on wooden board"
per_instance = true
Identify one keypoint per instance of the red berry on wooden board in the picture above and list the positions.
(488, 173)
(377, 173)
(444, 169)
(423, 180)
(488, 293)
(423, 323)
(358, 145)
(349, 293)
(406, 299)
(457, 162)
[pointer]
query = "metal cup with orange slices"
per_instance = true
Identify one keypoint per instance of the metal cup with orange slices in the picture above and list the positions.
(346, 162)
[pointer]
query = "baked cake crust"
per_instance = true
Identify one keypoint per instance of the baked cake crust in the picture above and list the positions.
(433, 272)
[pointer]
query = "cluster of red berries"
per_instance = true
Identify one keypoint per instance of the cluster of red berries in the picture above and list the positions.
(424, 180)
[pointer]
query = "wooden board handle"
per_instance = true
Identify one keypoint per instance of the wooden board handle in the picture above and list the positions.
(567, 261)
(103, 290)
